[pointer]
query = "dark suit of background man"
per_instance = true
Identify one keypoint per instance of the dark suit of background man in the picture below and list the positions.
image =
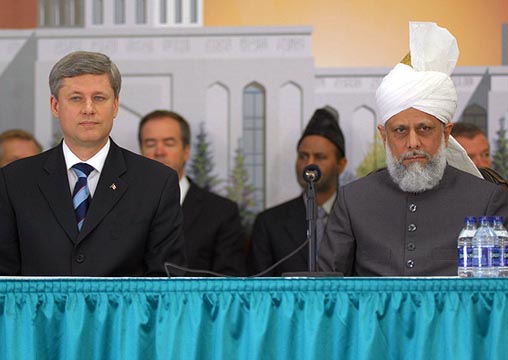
(212, 226)
(281, 229)
(134, 222)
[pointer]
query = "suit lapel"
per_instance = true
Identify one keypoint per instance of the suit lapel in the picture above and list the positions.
(190, 206)
(296, 229)
(110, 189)
(55, 188)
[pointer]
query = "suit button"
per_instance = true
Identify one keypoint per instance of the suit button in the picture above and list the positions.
(410, 264)
(80, 258)
(411, 228)
(411, 246)
(412, 207)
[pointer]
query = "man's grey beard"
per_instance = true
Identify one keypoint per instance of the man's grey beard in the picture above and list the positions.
(417, 177)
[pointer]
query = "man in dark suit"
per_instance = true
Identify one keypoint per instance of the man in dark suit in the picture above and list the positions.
(212, 226)
(88, 207)
(280, 230)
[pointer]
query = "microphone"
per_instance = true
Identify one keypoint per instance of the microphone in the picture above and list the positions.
(311, 173)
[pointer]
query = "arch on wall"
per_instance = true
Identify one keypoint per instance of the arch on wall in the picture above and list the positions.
(477, 115)
(253, 139)
(291, 103)
(281, 138)
(362, 135)
(218, 126)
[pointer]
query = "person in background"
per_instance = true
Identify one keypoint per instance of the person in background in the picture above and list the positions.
(213, 232)
(88, 207)
(404, 220)
(280, 230)
(474, 141)
(17, 144)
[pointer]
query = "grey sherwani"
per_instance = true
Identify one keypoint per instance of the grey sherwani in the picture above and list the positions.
(376, 229)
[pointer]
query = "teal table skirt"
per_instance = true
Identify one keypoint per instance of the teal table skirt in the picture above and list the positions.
(236, 318)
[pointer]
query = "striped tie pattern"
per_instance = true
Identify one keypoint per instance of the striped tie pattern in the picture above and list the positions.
(81, 194)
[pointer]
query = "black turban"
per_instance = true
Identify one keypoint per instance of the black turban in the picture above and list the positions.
(324, 122)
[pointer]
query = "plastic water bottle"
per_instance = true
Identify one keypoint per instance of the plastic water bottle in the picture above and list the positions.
(484, 242)
(502, 237)
(465, 247)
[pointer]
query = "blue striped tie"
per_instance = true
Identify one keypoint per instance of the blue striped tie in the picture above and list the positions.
(81, 194)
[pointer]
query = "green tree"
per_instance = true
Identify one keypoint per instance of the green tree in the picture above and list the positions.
(241, 191)
(500, 163)
(202, 164)
(374, 159)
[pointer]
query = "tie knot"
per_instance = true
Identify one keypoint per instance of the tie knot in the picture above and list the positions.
(321, 213)
(82, 169)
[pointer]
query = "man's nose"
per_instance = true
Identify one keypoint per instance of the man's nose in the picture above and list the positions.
(413, 140)
(159, 149)
(88, 107)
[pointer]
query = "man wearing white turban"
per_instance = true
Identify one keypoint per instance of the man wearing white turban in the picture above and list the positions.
(404, 220)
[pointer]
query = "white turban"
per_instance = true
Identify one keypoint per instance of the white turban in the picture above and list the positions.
(426, 86)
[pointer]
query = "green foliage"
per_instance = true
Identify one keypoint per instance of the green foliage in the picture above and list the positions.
(202, 162)
(374, 159)
(500, 162)
(241, 191)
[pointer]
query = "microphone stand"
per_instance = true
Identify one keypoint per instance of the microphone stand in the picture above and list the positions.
(311, 218)
(311, 175)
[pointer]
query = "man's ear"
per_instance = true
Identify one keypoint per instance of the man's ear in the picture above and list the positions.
(382, 132)
(447, 131)
(53, 105)
(116, 104)
(186, 152)
(342, 165)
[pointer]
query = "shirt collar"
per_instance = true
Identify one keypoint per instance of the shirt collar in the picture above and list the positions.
(97, 161)
(327, 206)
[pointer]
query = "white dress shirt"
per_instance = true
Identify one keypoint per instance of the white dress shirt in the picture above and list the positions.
(97, 161)
(184, 188)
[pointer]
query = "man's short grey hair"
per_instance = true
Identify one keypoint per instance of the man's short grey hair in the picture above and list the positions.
(84, 63)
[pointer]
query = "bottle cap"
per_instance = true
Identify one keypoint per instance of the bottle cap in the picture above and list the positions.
(470, 220)
(485, 219)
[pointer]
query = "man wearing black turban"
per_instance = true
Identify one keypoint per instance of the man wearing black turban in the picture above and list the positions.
(280, 230)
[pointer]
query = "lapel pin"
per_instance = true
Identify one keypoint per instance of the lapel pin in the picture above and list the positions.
(112, 186)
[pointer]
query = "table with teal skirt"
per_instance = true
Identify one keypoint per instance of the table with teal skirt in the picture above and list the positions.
(246, 318)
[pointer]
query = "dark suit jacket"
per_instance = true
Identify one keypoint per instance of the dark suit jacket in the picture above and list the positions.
(131, 229)
(213, 233)
(277, 232)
